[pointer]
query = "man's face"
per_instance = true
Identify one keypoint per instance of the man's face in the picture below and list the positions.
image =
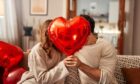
(89, 39)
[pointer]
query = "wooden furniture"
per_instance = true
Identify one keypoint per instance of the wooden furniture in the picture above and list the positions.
(121, 25)
(121, 20)
(71, 13)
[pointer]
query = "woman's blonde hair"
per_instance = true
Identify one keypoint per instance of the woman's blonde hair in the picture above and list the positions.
(43, 36)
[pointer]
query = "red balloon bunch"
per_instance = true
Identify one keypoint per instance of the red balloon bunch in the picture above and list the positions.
(10, 56)
(69, 36)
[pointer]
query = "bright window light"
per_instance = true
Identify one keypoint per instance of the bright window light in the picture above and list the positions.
(1, 7)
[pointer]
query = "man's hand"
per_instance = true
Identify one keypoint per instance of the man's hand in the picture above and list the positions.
(72, 61)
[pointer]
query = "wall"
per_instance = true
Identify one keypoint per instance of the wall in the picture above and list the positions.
(55, 8)
(136, 35)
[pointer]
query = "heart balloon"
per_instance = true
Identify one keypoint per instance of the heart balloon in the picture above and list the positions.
(14, 76)
(69, 35)
(10, 55)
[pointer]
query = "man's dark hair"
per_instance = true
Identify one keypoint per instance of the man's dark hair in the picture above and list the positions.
(91, 22)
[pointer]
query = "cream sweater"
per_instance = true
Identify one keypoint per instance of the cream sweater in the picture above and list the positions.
(101, 55)
(42, 69)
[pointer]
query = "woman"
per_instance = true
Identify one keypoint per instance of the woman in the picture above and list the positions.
(44, 61)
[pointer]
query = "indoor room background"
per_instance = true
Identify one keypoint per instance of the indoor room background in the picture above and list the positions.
(105, 13)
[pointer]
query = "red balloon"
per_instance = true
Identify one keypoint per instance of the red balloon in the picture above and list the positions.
(14, 76)
(69, 36)
(10, 55)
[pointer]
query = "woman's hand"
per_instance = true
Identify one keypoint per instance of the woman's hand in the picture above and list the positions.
(72, 61)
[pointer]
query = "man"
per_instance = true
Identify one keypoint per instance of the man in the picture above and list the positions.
(95, 60)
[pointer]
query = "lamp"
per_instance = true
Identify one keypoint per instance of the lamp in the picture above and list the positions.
(27, 34)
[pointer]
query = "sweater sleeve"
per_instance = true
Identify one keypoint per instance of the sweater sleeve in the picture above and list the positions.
(38, 66)
(107, 65)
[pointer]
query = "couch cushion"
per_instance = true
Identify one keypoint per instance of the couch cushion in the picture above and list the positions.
(125, 61)
(132, 75)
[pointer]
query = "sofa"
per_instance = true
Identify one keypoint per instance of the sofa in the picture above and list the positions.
(123, 61)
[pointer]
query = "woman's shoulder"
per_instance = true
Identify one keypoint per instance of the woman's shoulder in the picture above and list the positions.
(37, 51)
(37, 48)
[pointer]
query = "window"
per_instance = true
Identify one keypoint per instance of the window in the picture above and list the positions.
(2, 23)
(1, 7)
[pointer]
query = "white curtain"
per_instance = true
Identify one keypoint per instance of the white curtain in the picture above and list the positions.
(9, 31)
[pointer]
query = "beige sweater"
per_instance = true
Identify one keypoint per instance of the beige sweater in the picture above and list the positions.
(101, 55)
(42, 69)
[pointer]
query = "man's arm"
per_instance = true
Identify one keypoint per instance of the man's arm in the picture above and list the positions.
(103, 74)
(73, 61)
(93, 73)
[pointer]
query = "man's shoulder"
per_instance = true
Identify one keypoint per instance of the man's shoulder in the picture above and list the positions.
(106, 44)
(103, 41)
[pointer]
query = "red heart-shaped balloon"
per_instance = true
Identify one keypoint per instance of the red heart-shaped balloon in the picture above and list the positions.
(69, 36)
(14, 76)
(10, 55)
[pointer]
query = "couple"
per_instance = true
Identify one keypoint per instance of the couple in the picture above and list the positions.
(95, 61)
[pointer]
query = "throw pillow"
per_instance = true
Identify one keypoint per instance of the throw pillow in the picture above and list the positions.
(132, 75)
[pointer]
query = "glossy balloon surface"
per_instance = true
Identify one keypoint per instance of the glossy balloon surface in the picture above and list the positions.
(14, 76)
(10, 55)
(69, 35)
